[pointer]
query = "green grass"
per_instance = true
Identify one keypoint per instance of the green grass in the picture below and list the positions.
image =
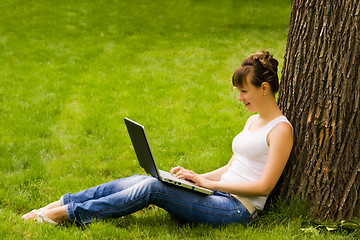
(72, 70)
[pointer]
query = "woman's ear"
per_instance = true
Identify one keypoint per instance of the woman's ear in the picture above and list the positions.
(265, 87)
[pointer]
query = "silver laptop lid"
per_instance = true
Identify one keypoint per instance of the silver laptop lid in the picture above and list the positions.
(141, 147)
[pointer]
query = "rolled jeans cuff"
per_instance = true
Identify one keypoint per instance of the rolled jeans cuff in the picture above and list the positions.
(70, 212)
(64, 201)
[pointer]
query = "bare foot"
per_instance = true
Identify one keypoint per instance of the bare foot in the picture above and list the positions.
(47, 216)
(34, 213)
(57, 214)
(31, 215)
(53, 215)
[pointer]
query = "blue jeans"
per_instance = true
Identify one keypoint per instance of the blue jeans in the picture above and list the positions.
(128, 195)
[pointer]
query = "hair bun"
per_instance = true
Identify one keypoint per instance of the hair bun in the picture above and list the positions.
(274, 63)
(267, 60)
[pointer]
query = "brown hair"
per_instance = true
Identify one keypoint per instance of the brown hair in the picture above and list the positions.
(263, 68)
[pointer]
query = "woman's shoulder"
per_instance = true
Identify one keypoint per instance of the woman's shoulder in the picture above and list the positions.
(285, 124)
(282, 129)
(251, 119)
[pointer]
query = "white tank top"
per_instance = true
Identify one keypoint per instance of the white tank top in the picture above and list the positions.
(250, 154)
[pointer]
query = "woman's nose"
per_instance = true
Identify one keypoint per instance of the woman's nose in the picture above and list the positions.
(240, 97)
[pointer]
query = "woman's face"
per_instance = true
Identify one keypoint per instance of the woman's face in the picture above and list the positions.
(252, 96)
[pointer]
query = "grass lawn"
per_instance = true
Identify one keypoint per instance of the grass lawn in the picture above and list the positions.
(70, 71)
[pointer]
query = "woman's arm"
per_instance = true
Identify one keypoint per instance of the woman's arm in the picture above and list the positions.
(280, 141)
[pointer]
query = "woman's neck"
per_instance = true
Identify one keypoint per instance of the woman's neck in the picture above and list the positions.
(270, 110)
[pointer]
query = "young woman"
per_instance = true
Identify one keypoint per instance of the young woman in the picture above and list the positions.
(260, 153)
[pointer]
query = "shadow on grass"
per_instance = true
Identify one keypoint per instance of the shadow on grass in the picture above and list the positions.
(296, 213)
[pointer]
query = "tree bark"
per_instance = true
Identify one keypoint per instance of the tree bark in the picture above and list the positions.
(320, 94)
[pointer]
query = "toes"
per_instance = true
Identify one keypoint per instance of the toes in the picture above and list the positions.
(29, 216)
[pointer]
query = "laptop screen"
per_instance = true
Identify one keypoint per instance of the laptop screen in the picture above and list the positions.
(141, 147)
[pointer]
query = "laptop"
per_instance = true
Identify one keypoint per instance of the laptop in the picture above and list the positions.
(147, 161)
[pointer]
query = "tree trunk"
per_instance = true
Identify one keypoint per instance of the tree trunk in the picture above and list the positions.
(320, 94)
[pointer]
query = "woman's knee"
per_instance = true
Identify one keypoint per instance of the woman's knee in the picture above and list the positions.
(152, 184)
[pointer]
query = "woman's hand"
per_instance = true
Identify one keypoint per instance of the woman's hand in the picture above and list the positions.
(175, 170)
(189, 175)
